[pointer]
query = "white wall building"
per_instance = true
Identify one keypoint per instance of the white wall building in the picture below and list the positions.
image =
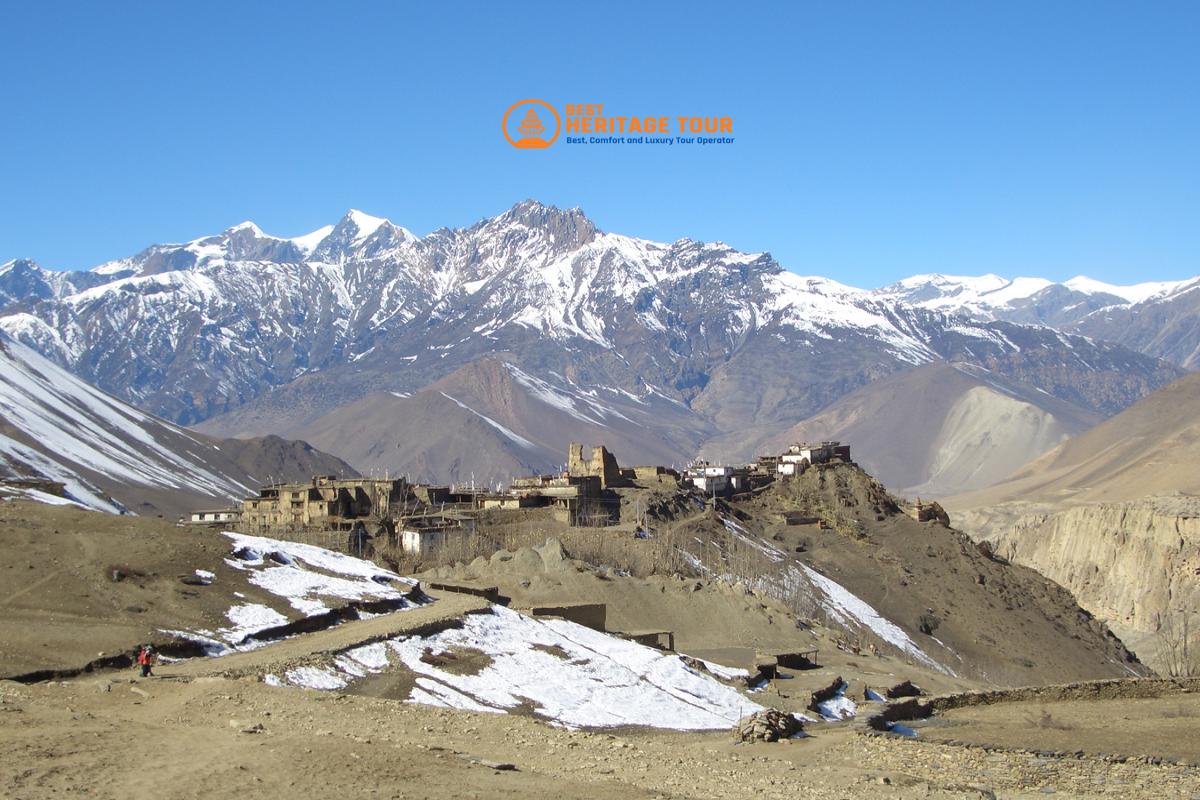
(421, 543)
(716, 479)
(217, 515)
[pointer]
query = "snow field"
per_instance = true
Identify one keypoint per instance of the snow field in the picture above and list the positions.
(569, 674)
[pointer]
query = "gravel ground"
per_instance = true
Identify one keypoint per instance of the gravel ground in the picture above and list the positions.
(212, 736)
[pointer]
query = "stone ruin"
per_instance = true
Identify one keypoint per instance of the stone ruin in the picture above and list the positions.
(599, 462)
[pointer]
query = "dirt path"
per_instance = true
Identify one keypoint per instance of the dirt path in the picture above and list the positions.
(1152, 727)
(30, 587)
(446, 609)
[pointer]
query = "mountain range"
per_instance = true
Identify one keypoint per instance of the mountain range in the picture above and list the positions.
(481, 351)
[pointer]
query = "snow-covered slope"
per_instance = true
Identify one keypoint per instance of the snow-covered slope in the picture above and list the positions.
(55, 426)
(1133, 293)
(65, 429)
(1157, 318)
(979, 295)
(1166, 325)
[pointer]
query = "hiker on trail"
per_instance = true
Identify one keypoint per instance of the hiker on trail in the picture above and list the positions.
(146, 658)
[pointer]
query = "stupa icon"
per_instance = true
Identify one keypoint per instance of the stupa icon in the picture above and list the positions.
(531, 130)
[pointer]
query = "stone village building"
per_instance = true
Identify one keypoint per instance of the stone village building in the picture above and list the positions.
(790, 462)
(216, 515)
(324, 502)
(572, 498)
(599, 463)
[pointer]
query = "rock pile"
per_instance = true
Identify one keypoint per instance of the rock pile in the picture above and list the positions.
(768, 725)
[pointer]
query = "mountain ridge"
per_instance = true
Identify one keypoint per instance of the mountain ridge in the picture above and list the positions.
(243, 334)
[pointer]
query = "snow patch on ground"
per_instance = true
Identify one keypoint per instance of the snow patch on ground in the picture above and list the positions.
(846, 608)
(315, 678)
(250, 618)
(723, 672)
(603, 681)
(570, 675)
(303, 576)
(838, 707)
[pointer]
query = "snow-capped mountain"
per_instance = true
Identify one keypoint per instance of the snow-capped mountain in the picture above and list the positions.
(249, 333)
(1167, 326)
(113, 457)
(1029, 300)
(1158, 318)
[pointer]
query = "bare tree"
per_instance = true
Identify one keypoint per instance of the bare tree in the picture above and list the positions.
(1178, 641)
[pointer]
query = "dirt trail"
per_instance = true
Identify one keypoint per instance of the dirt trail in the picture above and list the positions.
(444, 611)
(30, 587)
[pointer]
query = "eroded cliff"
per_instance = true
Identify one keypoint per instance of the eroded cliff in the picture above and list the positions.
(1135, 565)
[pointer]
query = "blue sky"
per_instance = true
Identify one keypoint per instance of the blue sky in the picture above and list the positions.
(873, 140)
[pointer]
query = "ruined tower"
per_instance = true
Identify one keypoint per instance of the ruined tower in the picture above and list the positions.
(599, 462)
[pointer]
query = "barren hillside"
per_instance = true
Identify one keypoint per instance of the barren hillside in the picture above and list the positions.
(943, 428)
(855, 563)
(1150, 448)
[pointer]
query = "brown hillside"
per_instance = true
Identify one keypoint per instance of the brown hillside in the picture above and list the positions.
(943, 428)
(1150, 448)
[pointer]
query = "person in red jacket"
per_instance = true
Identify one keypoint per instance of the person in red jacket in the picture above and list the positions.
(146, 658)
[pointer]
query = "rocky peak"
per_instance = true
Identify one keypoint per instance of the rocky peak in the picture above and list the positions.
(21, 272)
(23, 280)
(566, 230)
(247, 242)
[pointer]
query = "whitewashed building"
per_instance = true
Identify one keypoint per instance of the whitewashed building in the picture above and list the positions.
(208, 515)
(712, 479)
(421, 543)
(814, 454)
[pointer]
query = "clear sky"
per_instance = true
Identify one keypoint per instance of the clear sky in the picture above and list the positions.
(873, 140)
